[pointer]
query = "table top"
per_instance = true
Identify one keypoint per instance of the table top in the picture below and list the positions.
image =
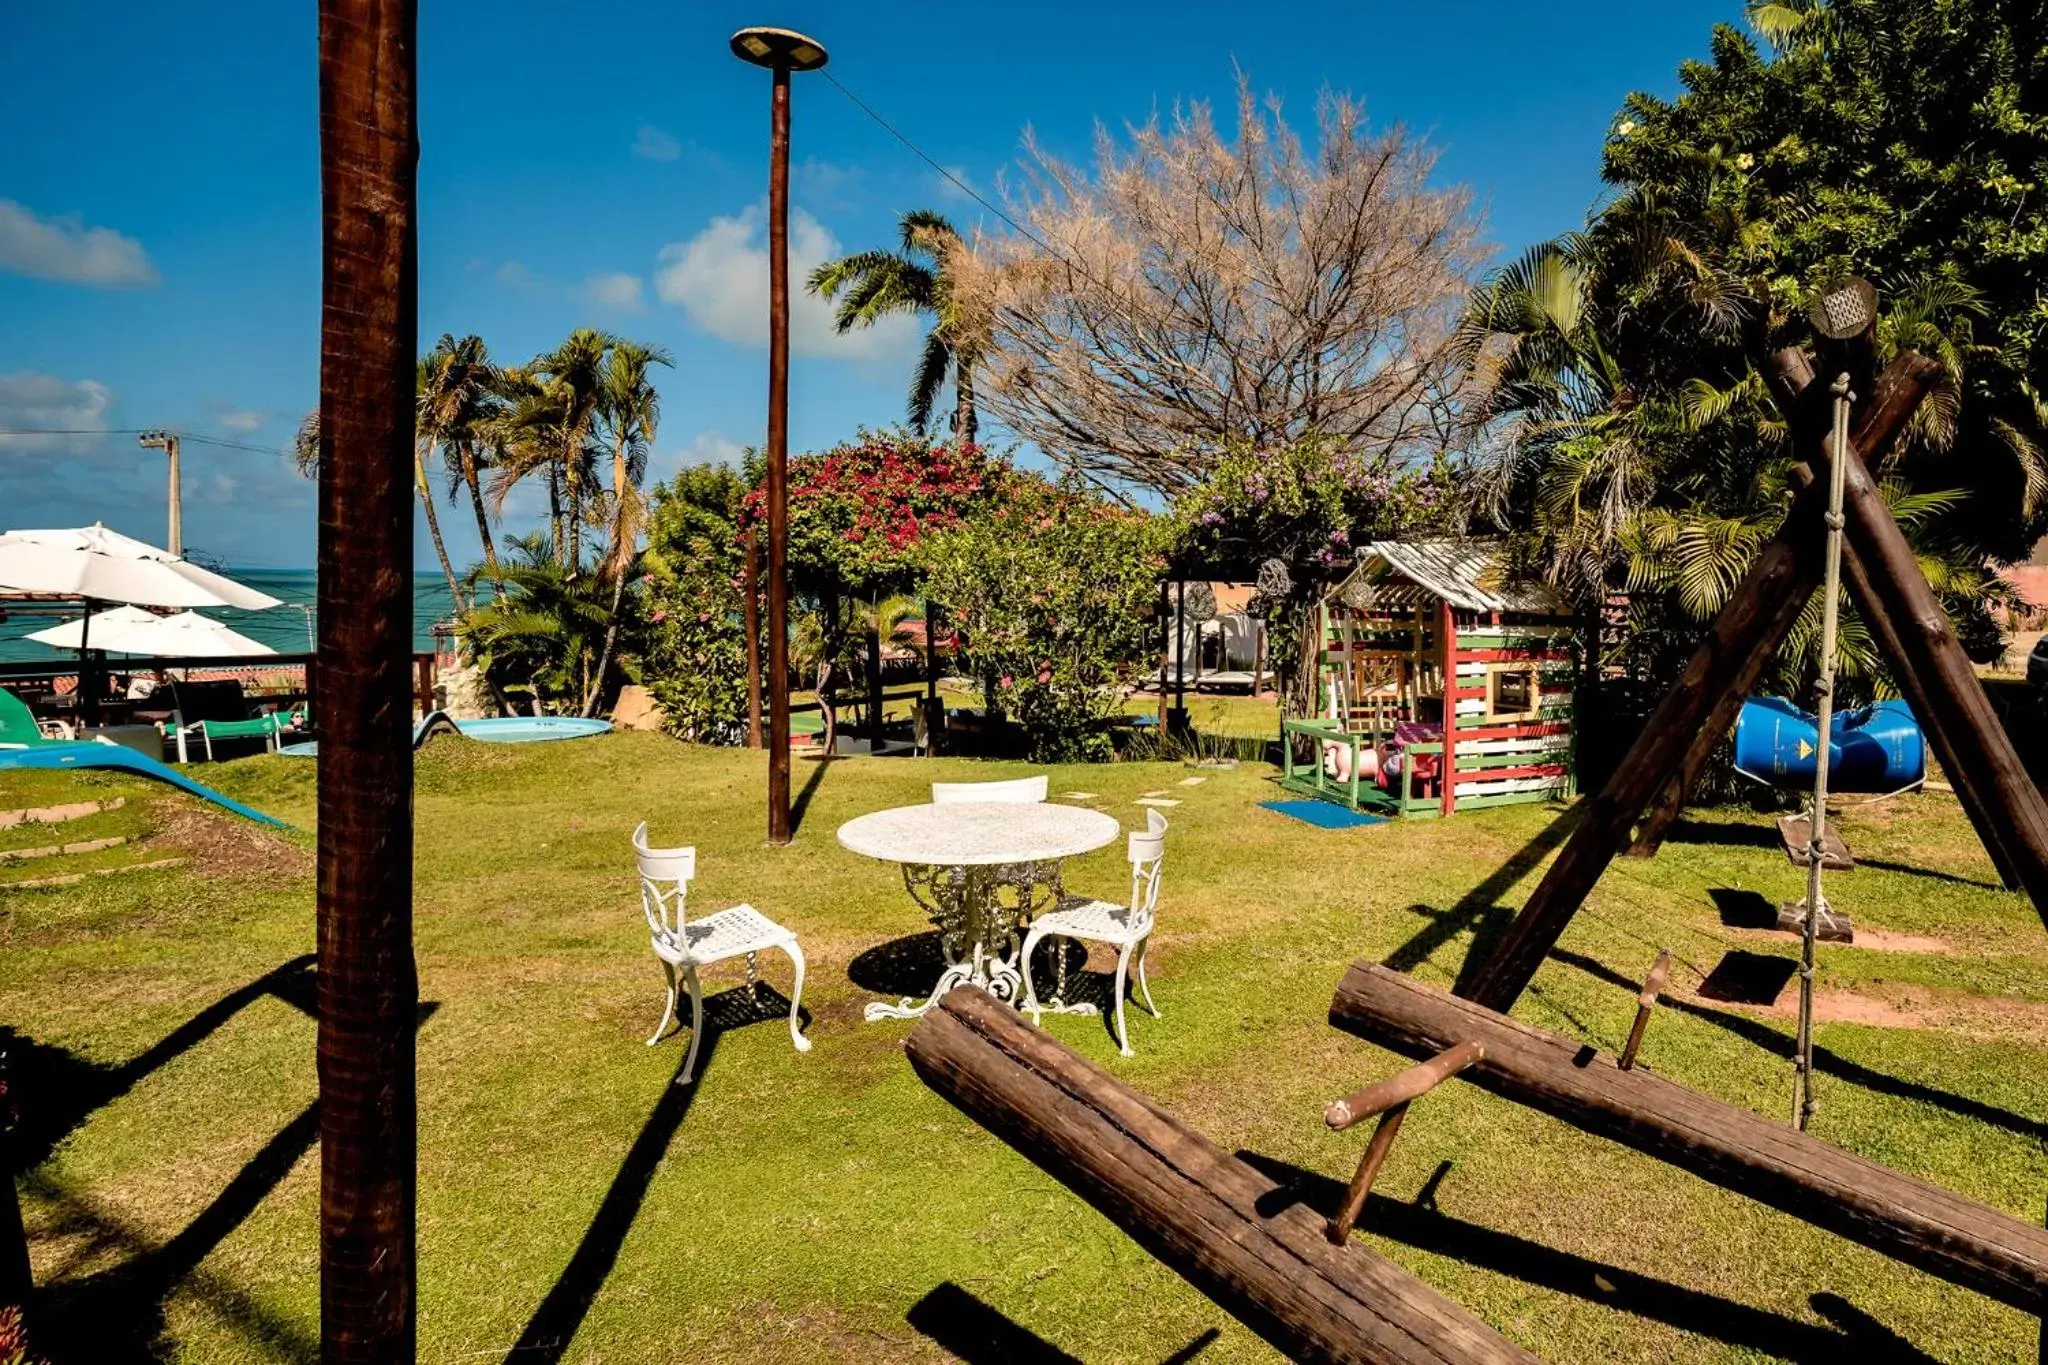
(979, 833)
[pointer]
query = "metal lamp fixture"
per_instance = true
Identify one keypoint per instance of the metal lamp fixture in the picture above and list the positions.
(1846, 309)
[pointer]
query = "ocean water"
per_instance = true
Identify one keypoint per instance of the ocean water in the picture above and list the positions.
(288, 628)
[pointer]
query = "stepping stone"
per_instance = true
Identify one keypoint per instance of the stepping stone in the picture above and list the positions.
(1077, 796)
(1155, 801)
(16, 855)
(73, 878)
(57, 815)
(1193, 781)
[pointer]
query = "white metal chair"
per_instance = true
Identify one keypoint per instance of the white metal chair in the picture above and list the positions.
(1127, 928)
(679, 943)
(1021, 791)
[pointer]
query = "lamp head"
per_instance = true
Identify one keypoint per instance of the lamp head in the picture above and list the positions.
(1845, 309)
(782, 48)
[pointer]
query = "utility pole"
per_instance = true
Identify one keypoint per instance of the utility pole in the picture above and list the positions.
(167, 442)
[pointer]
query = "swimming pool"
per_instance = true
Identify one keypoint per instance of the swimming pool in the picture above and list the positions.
(489, 730)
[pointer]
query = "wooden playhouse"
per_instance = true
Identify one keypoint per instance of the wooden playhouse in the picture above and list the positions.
(1443, 687)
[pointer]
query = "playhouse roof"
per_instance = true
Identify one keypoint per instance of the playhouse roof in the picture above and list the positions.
(1466, 573)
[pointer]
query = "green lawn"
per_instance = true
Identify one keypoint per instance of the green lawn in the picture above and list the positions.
(827, 1207)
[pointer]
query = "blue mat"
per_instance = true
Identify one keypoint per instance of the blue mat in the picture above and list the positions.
(1323, 814)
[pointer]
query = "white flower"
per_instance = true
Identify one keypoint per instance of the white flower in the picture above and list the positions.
(1625, 127)
(1745, 161)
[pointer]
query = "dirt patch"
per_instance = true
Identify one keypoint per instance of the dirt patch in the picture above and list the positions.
(1876, 940)
(230, 848)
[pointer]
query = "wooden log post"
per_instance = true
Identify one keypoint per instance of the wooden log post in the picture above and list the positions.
(1898, 395)
(1389, 1099)
(1224, 1227)
(1921, 1224)
(1708, 693)
(1653, 986)
(1795, 374)
(368, 983)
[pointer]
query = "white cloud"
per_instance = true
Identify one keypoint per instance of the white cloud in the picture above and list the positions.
(244, 422)
(45, 404)
(653, 144)
(515, 274)
(720, 279)
(615, 290)
(66, 249)
(948, 186)
(705, 448)
(825, 182)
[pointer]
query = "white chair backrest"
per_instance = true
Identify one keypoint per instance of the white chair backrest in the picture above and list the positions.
(1022, 791)
(665, 875)
(1148, 855)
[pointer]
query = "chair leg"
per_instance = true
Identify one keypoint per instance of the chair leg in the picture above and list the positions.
(207, 735)
(1123, 1036)
(796, 996)
(668, 1011)
(1031, 1005)
(696, 1024)
(1144, 986)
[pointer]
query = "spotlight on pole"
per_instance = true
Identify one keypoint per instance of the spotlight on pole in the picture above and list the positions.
(781, 51)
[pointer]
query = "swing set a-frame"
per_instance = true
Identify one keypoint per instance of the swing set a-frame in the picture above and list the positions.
(1234, 1234)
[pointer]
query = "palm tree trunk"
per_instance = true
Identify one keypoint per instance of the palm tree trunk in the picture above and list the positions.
(555, 513)
(483, 522)
(620, 557)
(426, 492)
(368, 982)
(964, 423)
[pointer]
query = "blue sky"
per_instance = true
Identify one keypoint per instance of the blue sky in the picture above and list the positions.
(603, 164)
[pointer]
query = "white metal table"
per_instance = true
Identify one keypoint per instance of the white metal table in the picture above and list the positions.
(959, 861)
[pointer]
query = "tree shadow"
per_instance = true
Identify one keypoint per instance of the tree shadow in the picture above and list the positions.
(561, 1312)
(980, 1334)
(1478, 910)
(1423, 1226)
(1724, 835)
(55, 1089)
(799, 807)
(1825, 1061)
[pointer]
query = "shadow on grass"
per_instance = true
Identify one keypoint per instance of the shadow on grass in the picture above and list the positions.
(1717, 834)
(1478, 910)
(799, 807)
(117, 1315)
(55, 1089)
(1825, 1061)
(1855, 1335)
(555, 1322)
(979, 1334)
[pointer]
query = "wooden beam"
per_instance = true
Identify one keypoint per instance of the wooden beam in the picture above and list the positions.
(1863, 592)
(1217, 1222)
(1921, 1224)
(368, 983)
(1689, 722)
(1898, 394)
(1984, 758)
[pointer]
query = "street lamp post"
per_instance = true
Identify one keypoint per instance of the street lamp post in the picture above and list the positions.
(781, 51)
(167, 442)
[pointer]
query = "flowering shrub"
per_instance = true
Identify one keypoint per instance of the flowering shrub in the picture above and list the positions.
(1307, 504)
(695, 640)
(1052, 592)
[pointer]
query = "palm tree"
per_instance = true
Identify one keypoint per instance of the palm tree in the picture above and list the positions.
(630, 412)
(460, 393)
(871, 285)
(423, 441)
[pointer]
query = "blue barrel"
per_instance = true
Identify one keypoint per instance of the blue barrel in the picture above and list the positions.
(1874, 749)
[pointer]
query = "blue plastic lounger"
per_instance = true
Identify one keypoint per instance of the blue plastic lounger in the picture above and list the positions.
(23, 746)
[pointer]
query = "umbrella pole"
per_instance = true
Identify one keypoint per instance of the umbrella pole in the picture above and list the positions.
(88, 689)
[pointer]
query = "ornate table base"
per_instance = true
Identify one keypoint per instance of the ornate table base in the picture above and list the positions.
(980, 913)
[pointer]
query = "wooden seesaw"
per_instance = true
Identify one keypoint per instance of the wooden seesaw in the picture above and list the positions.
(1228, 1230)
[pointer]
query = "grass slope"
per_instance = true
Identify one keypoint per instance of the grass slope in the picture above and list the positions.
(795, 1208)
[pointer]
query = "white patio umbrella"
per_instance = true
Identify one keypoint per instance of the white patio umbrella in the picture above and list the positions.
(99, 565)
(95, 563)
(188, 635)
(107, 627)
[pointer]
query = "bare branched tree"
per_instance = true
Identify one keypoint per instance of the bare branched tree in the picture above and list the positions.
(1195, 291)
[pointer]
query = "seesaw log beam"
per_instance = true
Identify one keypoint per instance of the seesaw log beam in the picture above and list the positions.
(1923, 1225)
(1221, 1225)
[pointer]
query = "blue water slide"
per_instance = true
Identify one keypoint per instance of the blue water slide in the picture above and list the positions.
(86, 754)
(1871, 749)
